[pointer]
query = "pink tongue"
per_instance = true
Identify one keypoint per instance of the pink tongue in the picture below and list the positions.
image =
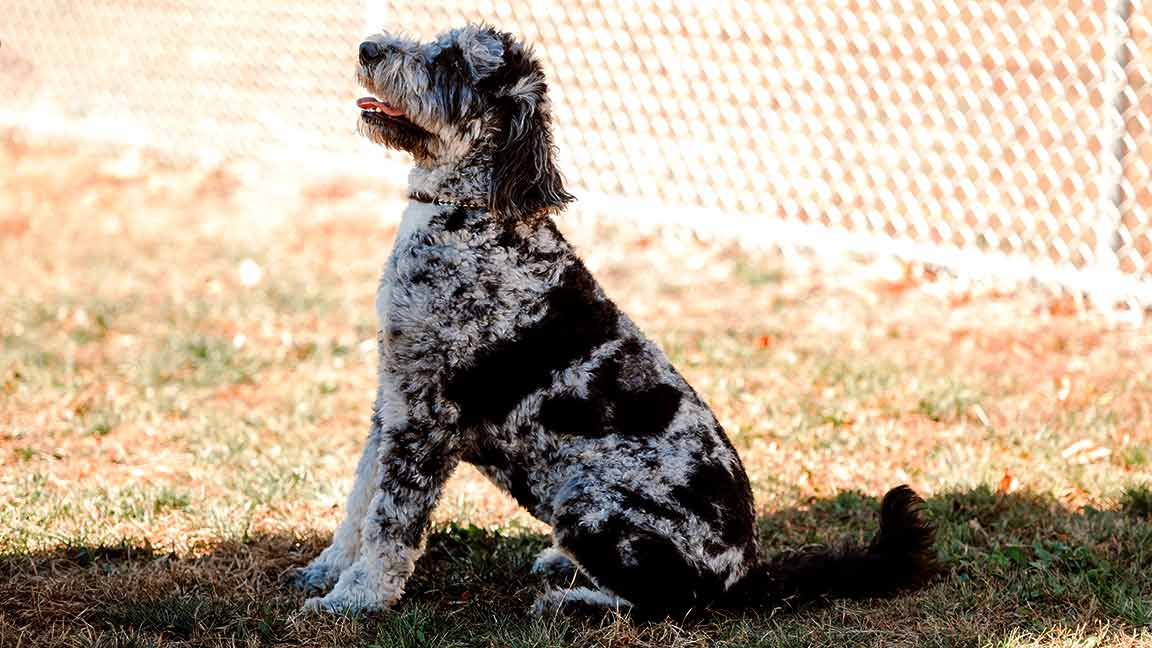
(372, 103)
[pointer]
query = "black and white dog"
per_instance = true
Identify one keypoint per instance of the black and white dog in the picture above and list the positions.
(498, 348)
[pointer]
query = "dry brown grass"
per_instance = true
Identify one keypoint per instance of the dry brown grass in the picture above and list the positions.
(175, 432)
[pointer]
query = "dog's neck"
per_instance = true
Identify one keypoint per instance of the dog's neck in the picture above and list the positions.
(434, 200)
(464, 182)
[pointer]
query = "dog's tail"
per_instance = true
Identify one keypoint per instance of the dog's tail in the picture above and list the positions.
(899, 557)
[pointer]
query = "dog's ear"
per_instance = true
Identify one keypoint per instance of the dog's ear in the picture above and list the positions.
(482, 48)
(525, 178)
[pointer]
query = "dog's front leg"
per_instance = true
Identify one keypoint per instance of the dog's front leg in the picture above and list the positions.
(323, 571)
(416, 459)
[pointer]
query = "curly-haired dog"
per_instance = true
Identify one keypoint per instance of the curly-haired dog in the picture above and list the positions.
(497, 347)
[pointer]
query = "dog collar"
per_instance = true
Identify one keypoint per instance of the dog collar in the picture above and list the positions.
(435, 200)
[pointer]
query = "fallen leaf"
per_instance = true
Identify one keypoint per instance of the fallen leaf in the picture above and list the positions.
(1008, 485)
(981, 415)
(1084, 451)
(1075, 448)
(1065, 389)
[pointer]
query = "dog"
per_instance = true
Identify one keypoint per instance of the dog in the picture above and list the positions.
(497, 347)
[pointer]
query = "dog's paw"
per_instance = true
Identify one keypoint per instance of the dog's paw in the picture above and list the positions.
(551, 563)
(580, 601)
(350, 602)
(316, 577)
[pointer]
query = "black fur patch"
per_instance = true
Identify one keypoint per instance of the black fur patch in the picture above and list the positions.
(515, 66)
(572, 415)
(508, 237)
(450, 74)
(632, 500)
(717, 496)
(455, 219)
(647, 411)
(611, 407)
(576, 321)
(451, 60)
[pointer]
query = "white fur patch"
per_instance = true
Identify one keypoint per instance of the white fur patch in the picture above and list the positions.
(557, 598)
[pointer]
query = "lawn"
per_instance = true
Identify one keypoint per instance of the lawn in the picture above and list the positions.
(187, 366)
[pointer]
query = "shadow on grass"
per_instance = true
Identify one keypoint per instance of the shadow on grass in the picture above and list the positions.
(1016, 563)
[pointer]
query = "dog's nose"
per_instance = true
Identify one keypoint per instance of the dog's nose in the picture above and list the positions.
(369, 52)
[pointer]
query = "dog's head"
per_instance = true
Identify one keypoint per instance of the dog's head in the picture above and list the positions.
(473, 93)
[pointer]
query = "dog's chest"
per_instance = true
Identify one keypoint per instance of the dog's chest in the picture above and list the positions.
(413, 224)
(444, 287)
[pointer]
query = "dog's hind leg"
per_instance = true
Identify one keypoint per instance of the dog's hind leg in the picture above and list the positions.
(322, 572)
(640, 562)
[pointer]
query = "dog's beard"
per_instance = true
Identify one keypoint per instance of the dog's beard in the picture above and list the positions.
(395, 131)
(387, 121)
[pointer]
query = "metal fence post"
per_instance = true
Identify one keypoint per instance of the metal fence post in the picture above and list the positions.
(1114, 131)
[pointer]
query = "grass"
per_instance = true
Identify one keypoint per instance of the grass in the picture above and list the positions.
(177, 434)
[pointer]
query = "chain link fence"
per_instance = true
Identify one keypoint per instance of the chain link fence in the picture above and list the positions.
(1005, 138)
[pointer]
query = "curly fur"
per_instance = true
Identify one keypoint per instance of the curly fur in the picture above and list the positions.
(497, 347)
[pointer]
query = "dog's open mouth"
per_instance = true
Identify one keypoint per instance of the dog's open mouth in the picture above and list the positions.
(376, 110)
(386, 123)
